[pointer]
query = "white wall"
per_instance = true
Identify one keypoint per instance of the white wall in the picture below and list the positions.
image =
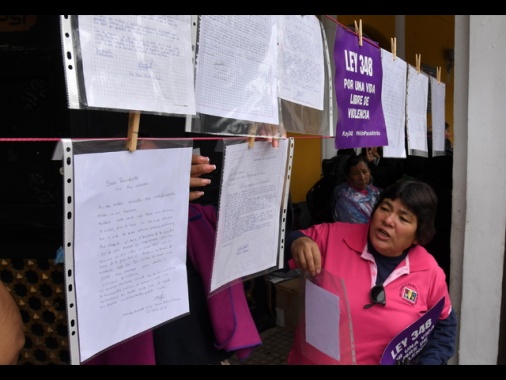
(461, 80)
(479, 187)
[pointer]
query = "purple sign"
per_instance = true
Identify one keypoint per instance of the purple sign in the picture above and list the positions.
(409, 343)
(359, 75)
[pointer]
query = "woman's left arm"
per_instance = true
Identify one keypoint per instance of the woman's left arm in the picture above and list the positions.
(441, 345)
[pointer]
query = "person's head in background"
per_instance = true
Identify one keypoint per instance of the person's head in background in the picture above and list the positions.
(447, 131)
(448, 141)
(357, 172)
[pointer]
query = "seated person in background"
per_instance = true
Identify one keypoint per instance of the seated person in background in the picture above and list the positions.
(12, 336)
(355, 198)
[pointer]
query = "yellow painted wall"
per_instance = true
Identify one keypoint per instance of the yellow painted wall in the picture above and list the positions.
(427, 35)
(430, 36)
(306, 165)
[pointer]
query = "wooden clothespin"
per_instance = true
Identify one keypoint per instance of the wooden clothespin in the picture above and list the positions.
(418, 58)
(393, 44)
(358, 30)
(252, 131)
(133, 130)
(438, 74)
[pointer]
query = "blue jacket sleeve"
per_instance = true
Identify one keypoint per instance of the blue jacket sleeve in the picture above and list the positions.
(441, 345)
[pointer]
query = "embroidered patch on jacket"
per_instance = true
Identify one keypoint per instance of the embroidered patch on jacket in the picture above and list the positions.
(409, 294)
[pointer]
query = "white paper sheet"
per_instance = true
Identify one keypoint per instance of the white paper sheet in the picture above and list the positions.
(131, 222)
(251, 195)
(138, 62)
(237, 67)
(393, 100)
(301, 68)
(416, 109)
(437, 92)
(322, 320)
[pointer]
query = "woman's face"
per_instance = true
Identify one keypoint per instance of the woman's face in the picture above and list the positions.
(393, 228)
(359, 176)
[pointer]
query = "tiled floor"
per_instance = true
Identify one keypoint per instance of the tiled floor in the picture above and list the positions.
(276, 343)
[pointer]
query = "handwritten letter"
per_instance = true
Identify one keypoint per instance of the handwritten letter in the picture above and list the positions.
(131, 219)
(138, 62)
(236, 67)
(416, 109)
(249, 217)
(393, 99)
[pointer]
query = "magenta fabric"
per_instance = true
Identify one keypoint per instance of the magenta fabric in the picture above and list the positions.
(234, 327)
(136, 351)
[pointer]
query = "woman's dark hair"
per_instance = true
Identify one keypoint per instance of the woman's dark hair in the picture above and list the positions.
(353, 161)
(420, 199)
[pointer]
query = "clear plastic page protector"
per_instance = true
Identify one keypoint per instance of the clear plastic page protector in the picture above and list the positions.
(252, 210)
(125, 226)
(139, 63)
(263, 67)
(437, 106)
(239, 82)
(325, 330)
(393, 101)
(416, 112)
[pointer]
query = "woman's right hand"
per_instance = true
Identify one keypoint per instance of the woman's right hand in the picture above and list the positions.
(200, 165)
(306, 254)
(270, 132)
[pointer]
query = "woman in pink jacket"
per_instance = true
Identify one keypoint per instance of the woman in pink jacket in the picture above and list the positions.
(393, 285)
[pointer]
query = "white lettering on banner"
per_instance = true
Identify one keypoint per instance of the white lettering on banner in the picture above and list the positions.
(365, 65)
(348, 133)
(350, 59)
(415, 347)
(368, 133)
(359, 86)
(348, 84)
(354, 113)
(356, 99)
